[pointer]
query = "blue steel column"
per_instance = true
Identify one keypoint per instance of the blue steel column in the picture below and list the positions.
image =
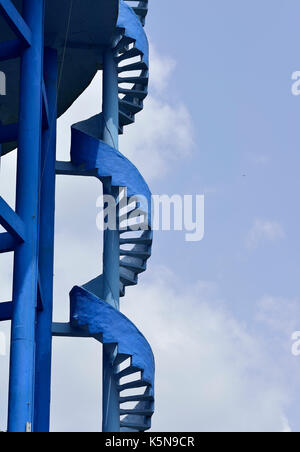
(111, 414)
(21, 392)
(46, 251)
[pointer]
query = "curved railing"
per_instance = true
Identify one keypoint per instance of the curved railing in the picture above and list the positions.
(88, 311)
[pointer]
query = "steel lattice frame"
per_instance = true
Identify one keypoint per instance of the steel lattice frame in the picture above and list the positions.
(28, 120)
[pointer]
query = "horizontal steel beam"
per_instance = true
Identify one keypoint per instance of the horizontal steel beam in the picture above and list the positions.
(68, 169)
(66, 330)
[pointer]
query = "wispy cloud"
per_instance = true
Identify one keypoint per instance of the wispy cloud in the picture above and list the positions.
(263, 230)
(209, 364)
(161, 70)
(162, 137)
(286, 428)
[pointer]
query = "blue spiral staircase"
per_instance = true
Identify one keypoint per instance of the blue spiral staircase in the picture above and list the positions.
(133, 359)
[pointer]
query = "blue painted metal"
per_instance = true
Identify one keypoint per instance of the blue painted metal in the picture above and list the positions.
(46, 250)
(99, 317)
(111, 253)
(92, 24)
(6, 310)
(107, 162)
(8, 133)
(10, 49)
(21, 391)
(127, 21)
(141, 9)
(11, 221)
(95, 307)
(110, 126)
(94, 152)
(7, 242)
(132, 43)
(16, 21)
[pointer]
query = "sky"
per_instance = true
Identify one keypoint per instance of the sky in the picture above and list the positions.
(220, 120)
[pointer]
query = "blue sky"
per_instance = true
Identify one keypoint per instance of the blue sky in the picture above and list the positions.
(234, 65)
(234, 62)
(221, 121)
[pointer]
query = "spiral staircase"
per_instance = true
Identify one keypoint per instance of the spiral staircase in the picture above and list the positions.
(133, 361)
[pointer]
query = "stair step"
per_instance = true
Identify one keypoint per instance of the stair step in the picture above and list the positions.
(125, 119)
(140, 427)
(136, 241)
(131, 53)
(139, 65)
(128, 208)
(140, 11)
(128, 371)
(137, 268)
(134, 412)
(131, 214)
(137, 398)
(137, 222)
(144, 239)
(120, 358)
(132, 385)
(129, 108)
(134, 225)
(134, 93)
(128, 282)
(122, 290)
(134, 253)
(134, 80)
(123, 44)
(122, 195)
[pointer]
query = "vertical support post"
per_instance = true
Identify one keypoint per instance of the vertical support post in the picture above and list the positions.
(22, 364)
(46, 251)
(111, 254)
(110, 100)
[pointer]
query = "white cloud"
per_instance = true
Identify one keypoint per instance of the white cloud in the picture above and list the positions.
(264, 230)
(212, 374)
(87, 105)
(286, 428)
(161, 70)
(163, 133)
(161, 137)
